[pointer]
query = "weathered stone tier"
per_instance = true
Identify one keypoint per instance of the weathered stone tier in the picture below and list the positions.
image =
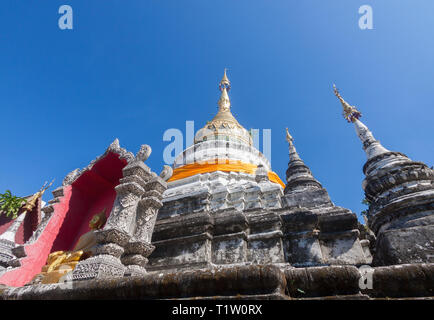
(298, 237)
(221, 219)
(245, 282)
(401, 211)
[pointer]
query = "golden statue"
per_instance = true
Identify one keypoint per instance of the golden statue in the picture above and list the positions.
(87, 242)
(60, 263)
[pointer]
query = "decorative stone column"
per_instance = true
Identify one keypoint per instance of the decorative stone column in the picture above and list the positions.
(127, 229)
(139, 248)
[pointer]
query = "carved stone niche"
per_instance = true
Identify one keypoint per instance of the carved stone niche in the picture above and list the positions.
(124, 244)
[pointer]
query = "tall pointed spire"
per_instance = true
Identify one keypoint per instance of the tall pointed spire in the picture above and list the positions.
(371, 146)
(224, 115)
(293, 155)
(400, 193)
(302, 189)
(224, 126)
(225, 81)
(224, 101)
(350, 113)
(298, 175)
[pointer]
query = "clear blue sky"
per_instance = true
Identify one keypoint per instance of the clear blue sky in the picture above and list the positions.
(132, 69)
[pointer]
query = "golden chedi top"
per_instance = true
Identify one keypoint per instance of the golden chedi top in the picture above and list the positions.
(222, 145)
(224, 126)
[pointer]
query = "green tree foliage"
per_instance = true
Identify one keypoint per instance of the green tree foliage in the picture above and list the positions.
(10, 204)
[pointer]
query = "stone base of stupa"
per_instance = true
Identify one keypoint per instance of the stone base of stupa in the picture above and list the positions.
(411, 281)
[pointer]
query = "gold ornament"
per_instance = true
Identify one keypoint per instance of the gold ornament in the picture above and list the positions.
(350, 113)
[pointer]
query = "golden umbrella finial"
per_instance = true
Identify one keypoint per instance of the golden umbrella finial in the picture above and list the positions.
(350, 113)
(225, 83)
(224, 101)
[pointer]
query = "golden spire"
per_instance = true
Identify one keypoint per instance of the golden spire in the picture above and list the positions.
(225, 86)
(350, 113)
(225, 82)
(224, 126)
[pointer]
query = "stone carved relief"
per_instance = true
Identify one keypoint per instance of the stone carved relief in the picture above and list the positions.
(101, 266)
